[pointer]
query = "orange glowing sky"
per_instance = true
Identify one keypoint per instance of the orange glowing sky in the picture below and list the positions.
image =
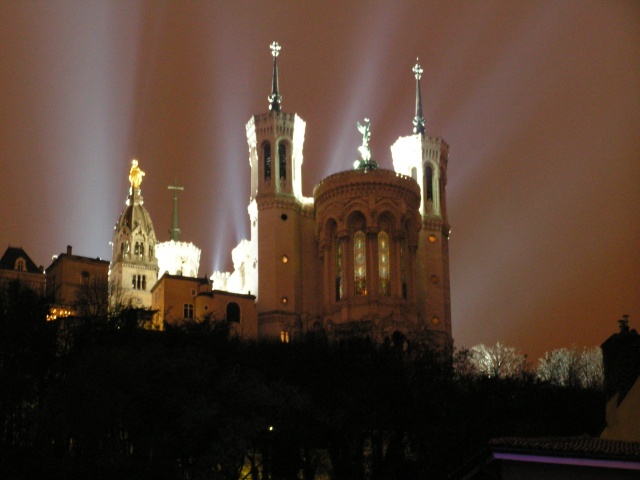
(539, 102)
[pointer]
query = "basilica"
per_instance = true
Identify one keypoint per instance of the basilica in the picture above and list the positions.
(366, 256)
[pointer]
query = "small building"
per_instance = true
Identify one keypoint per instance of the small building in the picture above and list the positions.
(16, 265)
(176, 299)
(78, 285)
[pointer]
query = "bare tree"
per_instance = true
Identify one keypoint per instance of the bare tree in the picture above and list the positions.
(572, 368)
(498, 361)
(92, 298)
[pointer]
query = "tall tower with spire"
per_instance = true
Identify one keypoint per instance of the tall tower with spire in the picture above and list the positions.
(134, 267)
(176, 257)
(278, 213)
(424, 158)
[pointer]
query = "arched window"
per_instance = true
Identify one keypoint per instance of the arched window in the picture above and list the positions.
(266, 150)
(428, 181)
(133, 282)
(360, 263)
(144, 282)
(383, 262)
(233, 312)
(142, 249)
(403, 267)
(339, 290)
(136, 249)
(414, 173)
(282, 156)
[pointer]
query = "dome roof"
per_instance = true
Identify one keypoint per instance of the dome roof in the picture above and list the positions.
(135, 216)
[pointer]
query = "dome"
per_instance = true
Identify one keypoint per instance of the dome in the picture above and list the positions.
(134, 237)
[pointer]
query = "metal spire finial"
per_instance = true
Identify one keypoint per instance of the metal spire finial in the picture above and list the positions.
(418, 120)
(175, 231)
(275, 99)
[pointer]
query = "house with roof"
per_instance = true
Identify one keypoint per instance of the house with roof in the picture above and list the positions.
(16, 265)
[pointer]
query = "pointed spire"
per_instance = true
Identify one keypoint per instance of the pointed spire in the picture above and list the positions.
(418, 120)
(175, 231)
(275, 99)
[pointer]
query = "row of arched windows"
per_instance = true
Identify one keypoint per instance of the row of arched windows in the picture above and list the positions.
(138, 249)
(139, 282)
(360, 265)
(282, 160)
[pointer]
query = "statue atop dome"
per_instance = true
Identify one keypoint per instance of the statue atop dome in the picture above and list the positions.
(135, 174)
(365, 162)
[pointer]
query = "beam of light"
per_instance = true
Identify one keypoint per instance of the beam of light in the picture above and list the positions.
(370, 55)
(85, 122)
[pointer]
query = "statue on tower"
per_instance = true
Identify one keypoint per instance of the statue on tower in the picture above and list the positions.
(365, 162)
(135, 174)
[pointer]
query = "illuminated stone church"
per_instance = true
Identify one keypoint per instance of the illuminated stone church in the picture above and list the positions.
(366, 256)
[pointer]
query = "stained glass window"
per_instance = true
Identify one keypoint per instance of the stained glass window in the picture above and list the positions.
(360, 263)
(267, 161)
(383, 262)
(339, 290)
(403, 267)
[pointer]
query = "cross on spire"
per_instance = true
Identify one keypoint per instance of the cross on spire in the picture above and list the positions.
(175, 231)
(275, 99)
(418, 120)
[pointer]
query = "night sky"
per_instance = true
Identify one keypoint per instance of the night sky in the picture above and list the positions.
(539, 102)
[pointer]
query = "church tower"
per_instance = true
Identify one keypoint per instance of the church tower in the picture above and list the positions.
(277, 213)
(424, 158)
(176, 257)
(134, 267)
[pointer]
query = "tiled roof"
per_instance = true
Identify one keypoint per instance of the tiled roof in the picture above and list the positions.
(582, 446)
(8, 260)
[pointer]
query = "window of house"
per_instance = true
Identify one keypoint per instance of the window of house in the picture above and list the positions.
(20, 266)
(360, 263)
(383, 262)
(188, 310)
(284, 336)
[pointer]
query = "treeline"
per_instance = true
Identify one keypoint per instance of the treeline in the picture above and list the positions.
(194, 403)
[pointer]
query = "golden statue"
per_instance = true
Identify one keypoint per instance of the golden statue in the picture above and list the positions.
(135, 174)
